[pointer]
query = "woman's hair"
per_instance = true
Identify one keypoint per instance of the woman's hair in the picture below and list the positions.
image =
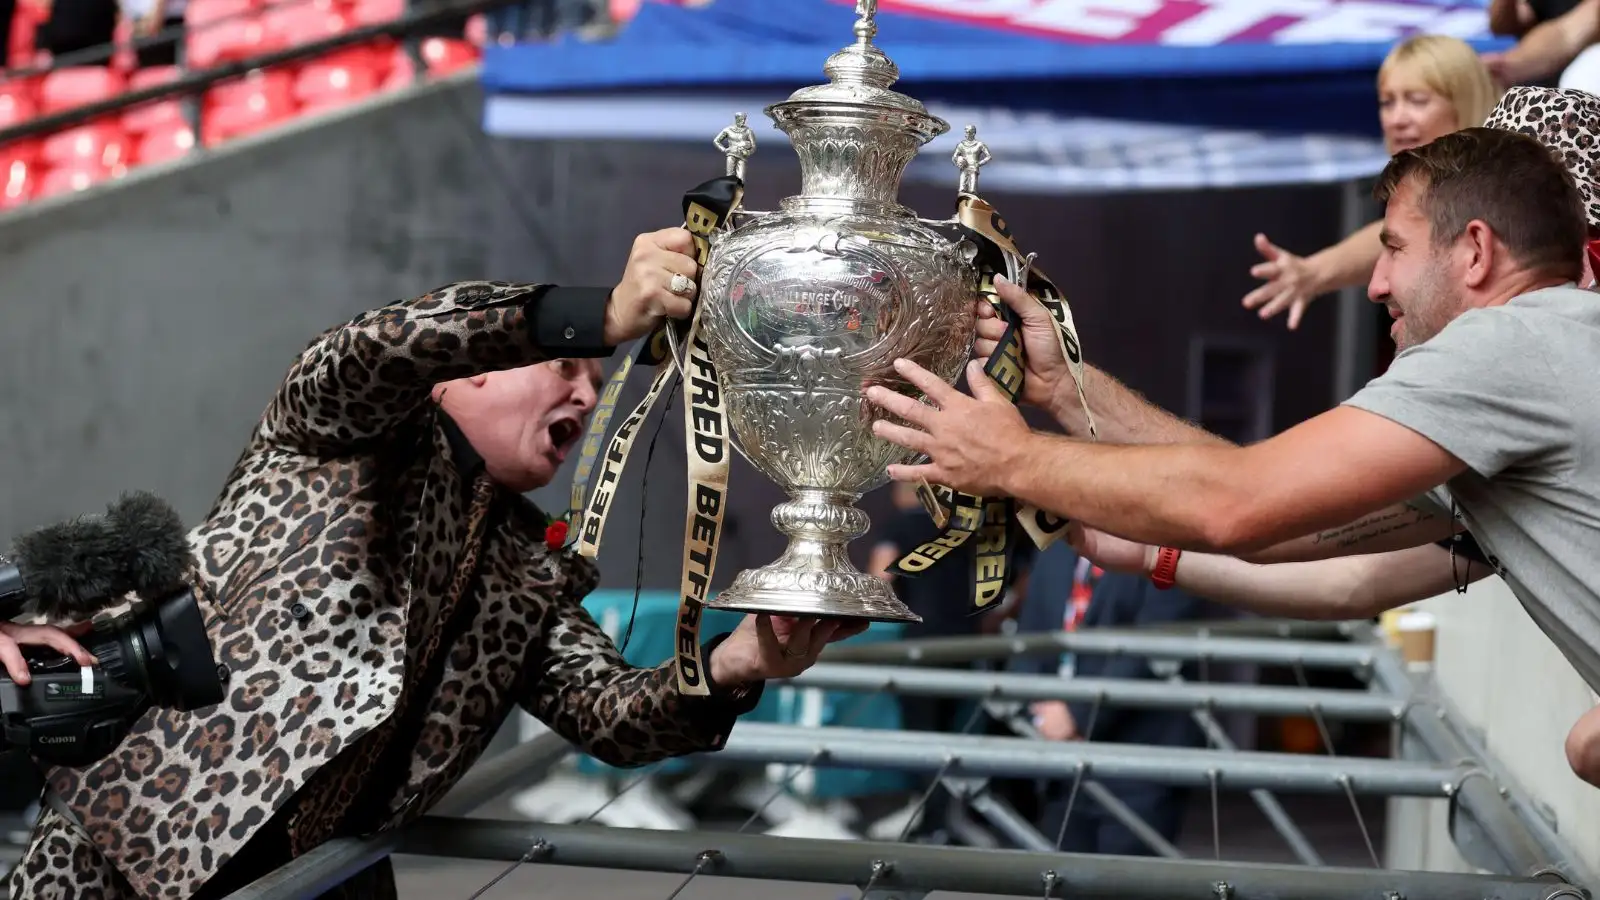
(1451, 69)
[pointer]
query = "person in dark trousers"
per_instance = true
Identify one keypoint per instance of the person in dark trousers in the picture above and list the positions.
(941, 597)
(1067, 592)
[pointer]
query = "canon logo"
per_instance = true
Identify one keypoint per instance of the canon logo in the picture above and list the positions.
(58, 739)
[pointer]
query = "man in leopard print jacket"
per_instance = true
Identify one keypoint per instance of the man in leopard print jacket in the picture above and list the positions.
(381, 595)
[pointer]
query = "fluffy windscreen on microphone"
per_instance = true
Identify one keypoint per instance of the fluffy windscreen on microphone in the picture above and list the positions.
(155, 546)
(69, 568)
(73, 570)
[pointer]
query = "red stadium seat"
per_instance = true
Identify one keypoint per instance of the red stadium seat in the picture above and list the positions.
(293, 24)
(334, 81)
(25, 150)
(445, 55)
(374, 12)
(98, 144)
(402, 71)
(225, 31)
(140, 119)
(260, 100)
(275, 85)
(201, 12)
(66, 179)
(15, 107)
(19, 184)
(19, 164)
(165, 142)
(78, 85)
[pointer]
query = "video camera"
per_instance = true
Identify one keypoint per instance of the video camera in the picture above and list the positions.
(157, 654)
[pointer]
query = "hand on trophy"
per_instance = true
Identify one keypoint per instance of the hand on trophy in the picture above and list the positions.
(767, 647)
(658, 283)
(1048, 377)
(972, 443)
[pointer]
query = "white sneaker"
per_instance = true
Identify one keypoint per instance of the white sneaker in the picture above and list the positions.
(809, 823)
(893, 825)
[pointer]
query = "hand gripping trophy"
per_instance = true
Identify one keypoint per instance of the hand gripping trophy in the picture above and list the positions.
(803, 308)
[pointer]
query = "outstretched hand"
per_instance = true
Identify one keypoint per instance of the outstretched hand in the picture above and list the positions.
(1045, 369)
(1290, 286)
(972, 443)
(766, 647)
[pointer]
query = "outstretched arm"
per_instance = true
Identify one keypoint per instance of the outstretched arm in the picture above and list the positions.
(580, 686)
(356, 381)
(1292, 281)
(1320, 474)
(1352, 587)
(1548, 47)
(1124, 417)
(1510, 18)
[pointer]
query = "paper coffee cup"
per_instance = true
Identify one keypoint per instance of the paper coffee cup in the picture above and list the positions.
(1389, 624)
(1416, 629)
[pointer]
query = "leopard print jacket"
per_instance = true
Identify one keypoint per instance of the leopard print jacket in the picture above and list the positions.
(350, 530)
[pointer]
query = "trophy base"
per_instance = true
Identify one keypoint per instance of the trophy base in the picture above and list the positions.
(834, 595)
(814, 577)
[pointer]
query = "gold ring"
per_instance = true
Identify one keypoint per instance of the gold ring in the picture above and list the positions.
(681, 284)
(789, 652)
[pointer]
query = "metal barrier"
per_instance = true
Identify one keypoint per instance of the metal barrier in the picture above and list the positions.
(1493, 824)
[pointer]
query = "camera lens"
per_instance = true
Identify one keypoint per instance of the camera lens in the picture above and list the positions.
(163, 653)
(180, 671)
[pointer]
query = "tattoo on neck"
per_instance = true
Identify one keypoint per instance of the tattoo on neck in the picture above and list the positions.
(1387, 522)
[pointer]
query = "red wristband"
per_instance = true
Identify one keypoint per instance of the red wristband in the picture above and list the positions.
(1165, 574)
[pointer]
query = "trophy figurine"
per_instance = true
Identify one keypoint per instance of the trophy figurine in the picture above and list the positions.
(970, 156)
(805, 307)
(737, 143)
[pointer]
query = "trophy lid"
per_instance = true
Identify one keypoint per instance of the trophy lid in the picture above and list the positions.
(860, 74)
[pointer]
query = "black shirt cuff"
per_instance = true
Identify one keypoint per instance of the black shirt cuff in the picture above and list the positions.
(735, 701)
(569, 322)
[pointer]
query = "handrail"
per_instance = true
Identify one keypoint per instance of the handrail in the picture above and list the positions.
(196, 81)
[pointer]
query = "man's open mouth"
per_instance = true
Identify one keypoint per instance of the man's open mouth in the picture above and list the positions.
(564, 433)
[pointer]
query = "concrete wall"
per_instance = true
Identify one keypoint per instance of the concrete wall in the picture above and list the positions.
(1516, 689)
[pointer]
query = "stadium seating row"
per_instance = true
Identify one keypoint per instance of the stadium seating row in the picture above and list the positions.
(218, 31)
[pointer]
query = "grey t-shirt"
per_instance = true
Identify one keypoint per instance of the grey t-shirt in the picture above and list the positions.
(1514, 392)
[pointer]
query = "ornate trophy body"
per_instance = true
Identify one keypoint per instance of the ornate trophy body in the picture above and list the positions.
(804, 308)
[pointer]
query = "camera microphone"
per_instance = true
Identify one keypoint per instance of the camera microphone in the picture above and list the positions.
(156, 654)
(72, 570)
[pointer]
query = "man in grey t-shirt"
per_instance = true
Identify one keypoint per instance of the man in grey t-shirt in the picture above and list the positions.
(1511, 392)
(1490, 406)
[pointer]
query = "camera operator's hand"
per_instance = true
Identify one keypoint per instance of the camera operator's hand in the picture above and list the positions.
(645, 294)
(13, 636)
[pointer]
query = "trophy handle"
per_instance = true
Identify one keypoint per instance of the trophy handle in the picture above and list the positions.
(960, 247)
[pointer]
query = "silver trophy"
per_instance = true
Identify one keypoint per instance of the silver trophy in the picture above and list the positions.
(805, 307)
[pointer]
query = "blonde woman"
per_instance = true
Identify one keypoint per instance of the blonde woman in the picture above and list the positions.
(1428, 86)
